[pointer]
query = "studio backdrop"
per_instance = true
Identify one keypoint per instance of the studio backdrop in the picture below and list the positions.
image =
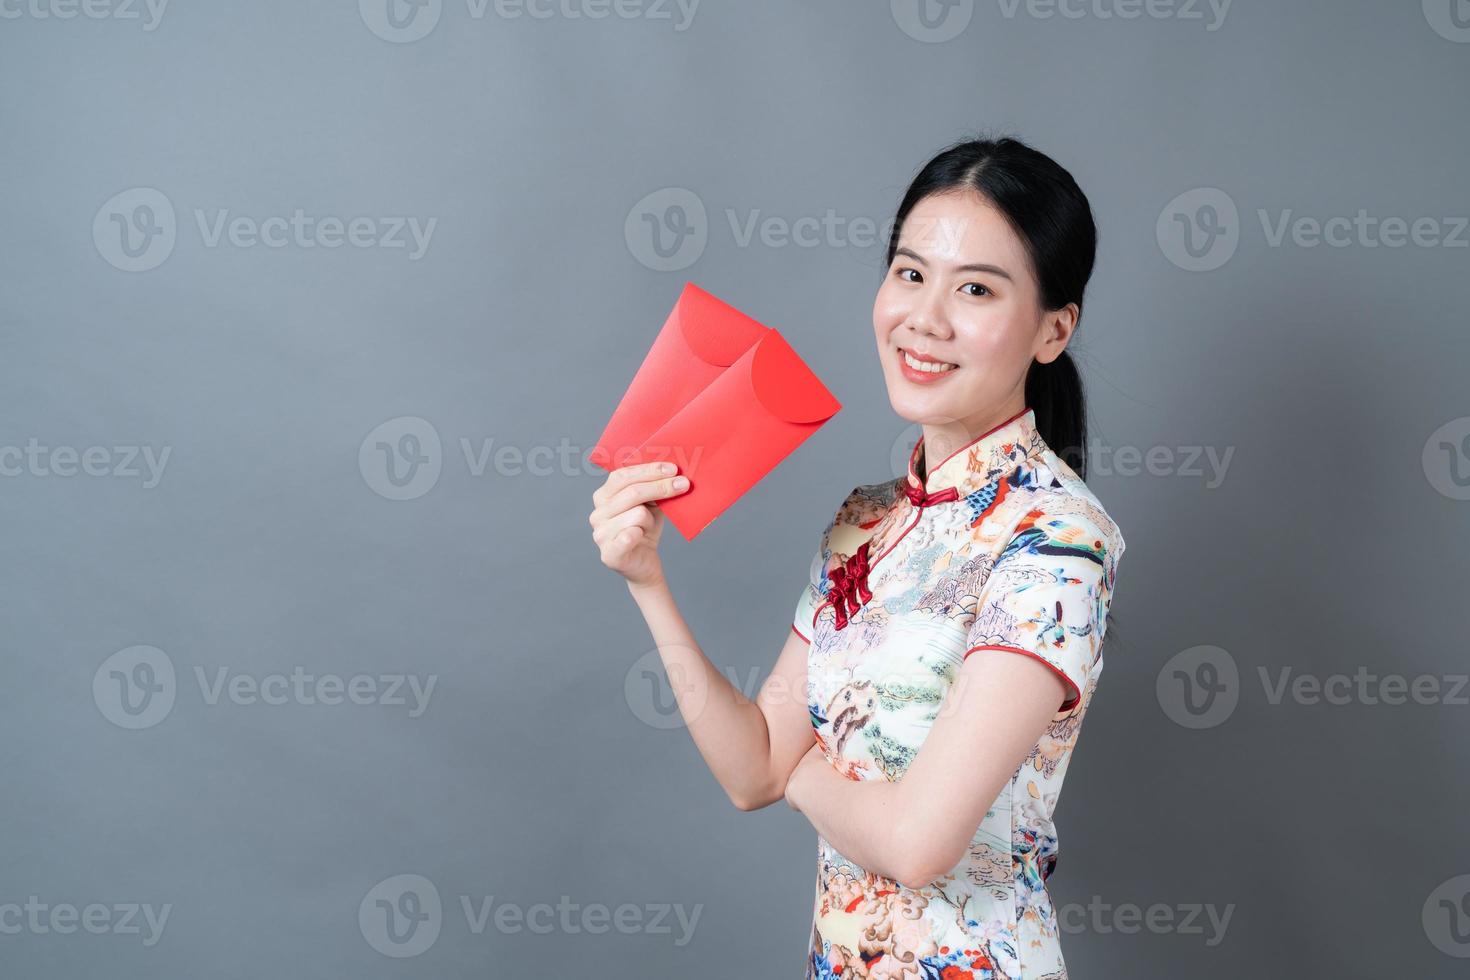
(311, 313)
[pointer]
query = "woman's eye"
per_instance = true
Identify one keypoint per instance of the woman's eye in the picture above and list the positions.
(902, 271)
(977, 286)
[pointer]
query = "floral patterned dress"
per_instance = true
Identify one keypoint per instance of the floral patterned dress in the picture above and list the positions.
(999, 546)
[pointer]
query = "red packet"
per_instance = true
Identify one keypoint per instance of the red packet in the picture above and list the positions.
(700, 339)
(721, 395)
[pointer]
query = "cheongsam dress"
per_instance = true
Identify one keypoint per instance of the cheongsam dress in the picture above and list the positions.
(1001, 546)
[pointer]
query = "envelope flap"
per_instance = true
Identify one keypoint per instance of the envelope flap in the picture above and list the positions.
(714, 330)
(786, 386)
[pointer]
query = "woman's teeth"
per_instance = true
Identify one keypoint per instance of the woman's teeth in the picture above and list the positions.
(931, 367)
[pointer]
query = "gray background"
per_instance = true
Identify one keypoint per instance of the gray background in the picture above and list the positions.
(541, 768)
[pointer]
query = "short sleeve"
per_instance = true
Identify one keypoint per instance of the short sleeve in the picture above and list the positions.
(814, 589)
(1049, 592)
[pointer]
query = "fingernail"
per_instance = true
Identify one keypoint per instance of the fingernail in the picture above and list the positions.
(667, 468)
(680, 482)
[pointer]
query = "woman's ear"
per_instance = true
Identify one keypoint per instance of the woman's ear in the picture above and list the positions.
(1056, 331)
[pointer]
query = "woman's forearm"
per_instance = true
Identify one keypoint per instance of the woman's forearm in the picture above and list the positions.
(729, 729)
(858, 818)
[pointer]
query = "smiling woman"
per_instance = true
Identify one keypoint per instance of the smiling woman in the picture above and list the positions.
(927, 755)
(939, 754)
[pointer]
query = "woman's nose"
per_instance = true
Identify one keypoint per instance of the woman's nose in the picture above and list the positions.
(928, 318)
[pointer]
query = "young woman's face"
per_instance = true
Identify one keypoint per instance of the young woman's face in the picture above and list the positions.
(961, 290)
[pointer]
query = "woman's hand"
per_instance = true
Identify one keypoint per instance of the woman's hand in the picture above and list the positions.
(795, 783)
(626, 522)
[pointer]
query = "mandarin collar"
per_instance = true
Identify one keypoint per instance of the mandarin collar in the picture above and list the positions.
(976, 464)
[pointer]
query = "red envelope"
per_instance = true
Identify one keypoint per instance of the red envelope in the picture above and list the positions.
(721, 395)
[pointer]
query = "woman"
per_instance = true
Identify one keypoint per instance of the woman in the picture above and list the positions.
(899, 718)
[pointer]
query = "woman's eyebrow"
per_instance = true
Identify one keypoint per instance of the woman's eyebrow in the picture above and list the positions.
(970, 267)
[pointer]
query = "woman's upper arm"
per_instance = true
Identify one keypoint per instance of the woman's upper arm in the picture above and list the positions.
(991, 719)
(1046, 599)
(782, 699)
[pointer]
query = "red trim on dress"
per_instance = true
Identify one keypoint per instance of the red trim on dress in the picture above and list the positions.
(798, 633)
(1068, 704)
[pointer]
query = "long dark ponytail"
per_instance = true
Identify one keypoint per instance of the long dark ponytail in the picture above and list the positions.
(1051, 214)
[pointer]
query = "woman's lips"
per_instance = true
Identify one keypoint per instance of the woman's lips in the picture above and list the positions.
(918, 376)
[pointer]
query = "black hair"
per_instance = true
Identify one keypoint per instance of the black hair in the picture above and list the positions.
(1052, 217)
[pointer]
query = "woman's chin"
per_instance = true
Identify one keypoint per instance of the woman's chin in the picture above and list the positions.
(918, 410)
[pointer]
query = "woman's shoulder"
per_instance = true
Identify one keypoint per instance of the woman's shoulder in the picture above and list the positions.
(859, 513)
(867, 502)
(1064, 501)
